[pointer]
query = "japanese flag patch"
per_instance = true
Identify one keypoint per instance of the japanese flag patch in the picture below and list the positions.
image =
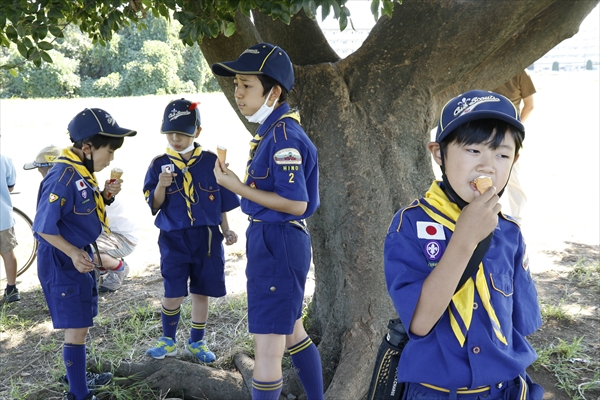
(80, 184)
(430, 230)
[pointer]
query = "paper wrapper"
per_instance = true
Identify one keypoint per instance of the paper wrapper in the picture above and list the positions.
(221, 153)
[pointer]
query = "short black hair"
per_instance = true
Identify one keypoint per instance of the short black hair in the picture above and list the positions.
(489, 131)
(268, 84)
(98, 141)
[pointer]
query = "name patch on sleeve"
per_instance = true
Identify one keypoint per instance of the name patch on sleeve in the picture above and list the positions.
(288, 156)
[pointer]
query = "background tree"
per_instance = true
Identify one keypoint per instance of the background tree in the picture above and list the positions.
(369, 115)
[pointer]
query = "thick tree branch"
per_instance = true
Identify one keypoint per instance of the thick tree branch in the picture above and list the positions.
(302, 39)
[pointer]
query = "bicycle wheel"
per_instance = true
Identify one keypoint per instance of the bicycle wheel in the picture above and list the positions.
(26, 250)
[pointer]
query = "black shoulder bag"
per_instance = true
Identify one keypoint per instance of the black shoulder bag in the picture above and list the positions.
(384, 382)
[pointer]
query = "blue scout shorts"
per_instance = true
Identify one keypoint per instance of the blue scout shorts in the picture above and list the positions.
(72, 297)
(184, 254)
(520, 388)
(278, 262)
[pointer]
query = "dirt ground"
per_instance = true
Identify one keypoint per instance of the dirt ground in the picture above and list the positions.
(560, 168)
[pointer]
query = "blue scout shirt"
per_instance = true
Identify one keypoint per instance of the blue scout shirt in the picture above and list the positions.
(66, 207)
(211, 199)
(285, 163)
(413, 247)
(8, 173)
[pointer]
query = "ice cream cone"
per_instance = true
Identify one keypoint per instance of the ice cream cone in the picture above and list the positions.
(221, 153)
(115, 173)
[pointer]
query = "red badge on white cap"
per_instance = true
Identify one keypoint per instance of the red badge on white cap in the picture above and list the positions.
(430, 230)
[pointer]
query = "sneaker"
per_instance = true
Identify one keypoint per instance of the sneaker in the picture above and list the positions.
(12, 296)
(94, 381)
(164, 347)
(112, 281)
(71, 396)
(200, 350)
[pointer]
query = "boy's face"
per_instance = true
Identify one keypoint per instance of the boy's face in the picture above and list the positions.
(102, 156)
(181, 142)
(249, 94)
(464, 163)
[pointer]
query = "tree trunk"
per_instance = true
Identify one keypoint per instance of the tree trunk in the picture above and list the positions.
(370, 116)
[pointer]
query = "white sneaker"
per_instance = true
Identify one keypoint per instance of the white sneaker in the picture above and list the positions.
(113, 280)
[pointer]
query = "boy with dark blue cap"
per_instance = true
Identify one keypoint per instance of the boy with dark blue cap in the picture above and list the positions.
(190, 206)
(280, 190)
(466, 342)
(70, 216)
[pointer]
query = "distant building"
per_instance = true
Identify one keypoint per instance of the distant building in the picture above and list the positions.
(580, 52)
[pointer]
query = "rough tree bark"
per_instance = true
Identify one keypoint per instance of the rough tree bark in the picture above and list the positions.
(370, 115)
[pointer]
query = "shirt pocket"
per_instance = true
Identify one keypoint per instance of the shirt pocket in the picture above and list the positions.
(85, 208)
(258, 171)
(209, 187)
(502, 284)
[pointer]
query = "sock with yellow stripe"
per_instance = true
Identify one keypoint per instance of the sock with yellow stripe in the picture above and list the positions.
(307, 364)
(197, 331)
(266, 390)
(74, 359)
(170, 320)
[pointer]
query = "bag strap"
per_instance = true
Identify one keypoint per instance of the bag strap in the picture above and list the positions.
(473, 264)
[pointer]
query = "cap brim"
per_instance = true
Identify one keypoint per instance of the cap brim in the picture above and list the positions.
(231, 68)
(179, 132)
(119, 132)
(29, 165)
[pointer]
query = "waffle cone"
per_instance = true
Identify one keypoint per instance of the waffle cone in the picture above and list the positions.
(116, 173)
(221, 153)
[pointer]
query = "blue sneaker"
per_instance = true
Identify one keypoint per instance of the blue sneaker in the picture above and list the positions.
(164, 347)
(200, 350)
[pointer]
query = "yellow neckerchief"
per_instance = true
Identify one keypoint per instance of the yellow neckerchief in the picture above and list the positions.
(188, 184)
(67, 156)
(293, 114)
(463, 299)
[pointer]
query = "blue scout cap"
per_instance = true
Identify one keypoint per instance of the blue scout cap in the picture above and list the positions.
(181, 116)
(95, 121)
(474, 105)
(260, 59)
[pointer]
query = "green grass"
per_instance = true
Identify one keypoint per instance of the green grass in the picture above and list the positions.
(121, 333)
(556, 312)
(570, 364)
(586, 273)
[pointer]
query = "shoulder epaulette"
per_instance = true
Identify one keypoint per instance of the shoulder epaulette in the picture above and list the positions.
(510, 219)
(414, 204)
(279, 131)
(67, 176)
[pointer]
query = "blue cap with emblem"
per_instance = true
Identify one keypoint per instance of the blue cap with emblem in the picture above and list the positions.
(260, 59)
(95, 121)
(181, 116)
(474, 105)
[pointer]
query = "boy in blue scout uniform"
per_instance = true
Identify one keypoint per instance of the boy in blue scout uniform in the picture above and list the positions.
(181, 188)
(70, 216)
(280, 189)
(469, 344)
